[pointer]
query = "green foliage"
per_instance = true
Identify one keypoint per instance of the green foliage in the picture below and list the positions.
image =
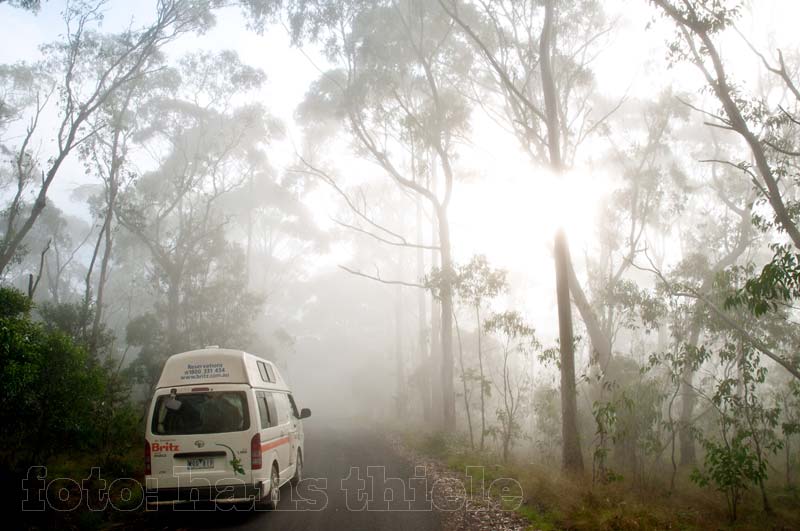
(791, 408)
(216, 308)
(75, 320)
(730, 466)
(513, 327)
(32, 5)
(707, 16)
(48, 392)
(437, 279)
(56, 397)
(737, 457)
(476, 281)
(435, 444)
(13, 303)
(518, 342)
(605, 414)
(635, 307)
(777, 285)
(547, 412)
(146, 331)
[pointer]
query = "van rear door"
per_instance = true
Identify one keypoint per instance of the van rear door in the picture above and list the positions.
(201, 436)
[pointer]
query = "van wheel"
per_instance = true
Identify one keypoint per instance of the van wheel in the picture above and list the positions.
(298, 470)
(274, 489)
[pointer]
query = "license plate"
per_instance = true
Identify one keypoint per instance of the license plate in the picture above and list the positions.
(200, 463)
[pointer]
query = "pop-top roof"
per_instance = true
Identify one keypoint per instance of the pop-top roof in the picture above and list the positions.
(218, 366)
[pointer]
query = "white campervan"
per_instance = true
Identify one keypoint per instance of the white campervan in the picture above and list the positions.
(223, 426)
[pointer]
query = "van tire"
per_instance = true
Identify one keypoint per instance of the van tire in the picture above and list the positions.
(298, 470)
(274, 489)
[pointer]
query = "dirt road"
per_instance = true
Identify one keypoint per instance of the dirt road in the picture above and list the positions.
(353, 481)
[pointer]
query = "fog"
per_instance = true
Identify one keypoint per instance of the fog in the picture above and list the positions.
(528, 234)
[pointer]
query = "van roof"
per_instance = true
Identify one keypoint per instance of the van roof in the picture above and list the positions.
(218, 366)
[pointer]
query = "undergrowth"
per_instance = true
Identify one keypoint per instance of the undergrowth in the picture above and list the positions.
(553, 501)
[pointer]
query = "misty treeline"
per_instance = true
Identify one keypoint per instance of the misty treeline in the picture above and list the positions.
(676, 351)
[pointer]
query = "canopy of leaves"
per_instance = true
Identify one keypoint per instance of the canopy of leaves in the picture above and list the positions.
(776, 286)
(48, 387)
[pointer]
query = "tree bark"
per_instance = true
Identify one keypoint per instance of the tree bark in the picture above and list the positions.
(402, 399)
(480, 368)
(464, 385)
(422, 325)
(571, 454)
(173, 308)
(571, 451)
(434, 367)
(113, 189)
(688, 401)
(601, 342)
(446, 295)
(718, 81)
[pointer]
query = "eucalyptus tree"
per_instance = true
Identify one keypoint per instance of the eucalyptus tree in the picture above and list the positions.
(767, 124)
(649, 195)
(32, 5)
(538, 53)
(86, 69)
(769, 131)
(203, 146)
(475, 283)
(518, 344)
(107, 155)
(396, 83)
(60, 266)
(716, 235)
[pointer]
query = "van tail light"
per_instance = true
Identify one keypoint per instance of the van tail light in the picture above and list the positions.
(148, 460)
(255, 452)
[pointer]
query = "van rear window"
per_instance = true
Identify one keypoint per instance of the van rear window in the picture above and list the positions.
(195, 413)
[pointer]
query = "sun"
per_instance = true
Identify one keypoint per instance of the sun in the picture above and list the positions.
(513, 216)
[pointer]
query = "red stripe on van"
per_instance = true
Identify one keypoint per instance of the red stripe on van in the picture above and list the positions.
(274, 443)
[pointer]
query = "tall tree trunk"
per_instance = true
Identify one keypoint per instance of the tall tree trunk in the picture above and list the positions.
(249, 245)
(464, 385)
(571, 452)
(434, 367)
(600, 340)
(173, 308)
(480, 369)
(446, 295)
(87, 280)
(688, 401)
(422, 325)
(572, 458)
(101, 282)
(687, 393)
(402, 399)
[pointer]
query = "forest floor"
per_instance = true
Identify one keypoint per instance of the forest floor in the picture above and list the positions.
(540, 498)
(470, 491)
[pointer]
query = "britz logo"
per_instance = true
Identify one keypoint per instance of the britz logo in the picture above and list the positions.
(165, 447)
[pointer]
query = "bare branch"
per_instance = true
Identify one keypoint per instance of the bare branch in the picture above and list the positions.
(377, 278)
(733, 325)
(31, 284)
(384, 240)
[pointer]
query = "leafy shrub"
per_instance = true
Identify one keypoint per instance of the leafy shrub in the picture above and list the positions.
(48, 387)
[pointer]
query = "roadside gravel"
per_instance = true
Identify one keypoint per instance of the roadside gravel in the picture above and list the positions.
(462, 508)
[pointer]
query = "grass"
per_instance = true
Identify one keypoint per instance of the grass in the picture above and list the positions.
(125, 497)
(552, 501)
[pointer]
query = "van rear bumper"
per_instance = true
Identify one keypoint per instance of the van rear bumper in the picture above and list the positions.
(237, 493)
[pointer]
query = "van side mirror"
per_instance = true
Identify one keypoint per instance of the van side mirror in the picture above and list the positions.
(305, 413)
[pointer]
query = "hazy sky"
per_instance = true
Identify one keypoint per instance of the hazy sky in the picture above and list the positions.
(507, 212)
